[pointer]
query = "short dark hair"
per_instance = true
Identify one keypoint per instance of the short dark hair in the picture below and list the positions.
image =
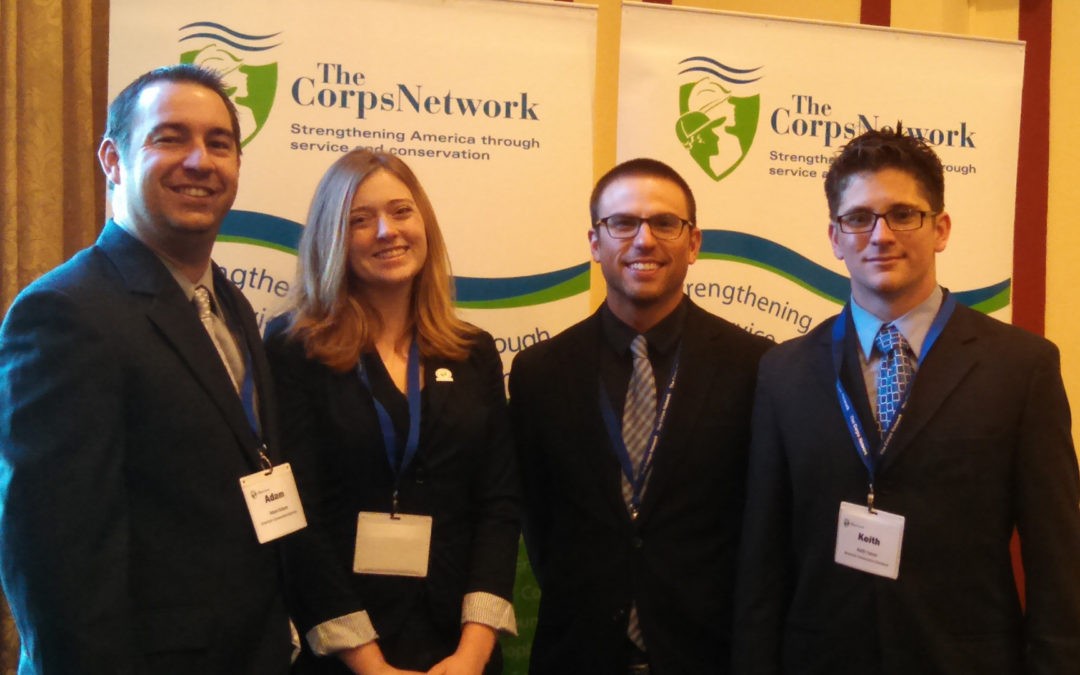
(886, 149)
(118, 124)
(642, 166)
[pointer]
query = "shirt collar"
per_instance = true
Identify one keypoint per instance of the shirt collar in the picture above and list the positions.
(662, 338)
(913, 326)
(207, 279)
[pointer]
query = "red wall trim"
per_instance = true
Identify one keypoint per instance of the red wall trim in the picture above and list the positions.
(1032, 181)
(876, 12)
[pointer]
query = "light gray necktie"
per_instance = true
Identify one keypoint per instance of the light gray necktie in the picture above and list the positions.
(220, 335)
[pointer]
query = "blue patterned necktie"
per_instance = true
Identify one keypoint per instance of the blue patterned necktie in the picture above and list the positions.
(895, 373)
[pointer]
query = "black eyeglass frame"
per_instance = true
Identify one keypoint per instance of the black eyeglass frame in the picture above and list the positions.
(840, 220)
(683, 224)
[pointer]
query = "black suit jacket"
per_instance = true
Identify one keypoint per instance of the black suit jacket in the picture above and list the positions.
(125, 542)
(677, 561)
(984, 446)
(463, 475)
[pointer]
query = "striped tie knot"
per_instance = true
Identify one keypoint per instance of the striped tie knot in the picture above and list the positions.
(639, 410)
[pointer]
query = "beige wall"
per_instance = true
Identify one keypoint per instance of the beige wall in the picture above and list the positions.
(1000, 19)
(997, 19)
(1063, 233)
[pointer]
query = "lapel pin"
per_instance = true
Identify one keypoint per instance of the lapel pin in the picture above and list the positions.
(444, 375)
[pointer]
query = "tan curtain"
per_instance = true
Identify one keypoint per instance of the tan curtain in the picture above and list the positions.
(54, 69)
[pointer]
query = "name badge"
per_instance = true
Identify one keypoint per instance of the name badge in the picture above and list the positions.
(869, 541)
(273, 502)
(395, 545)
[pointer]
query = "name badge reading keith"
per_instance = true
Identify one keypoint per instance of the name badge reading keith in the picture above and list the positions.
(869, 541)
(395, 545)
(274, 503)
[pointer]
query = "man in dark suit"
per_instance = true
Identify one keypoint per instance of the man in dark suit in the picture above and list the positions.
(126, 545)
(890, 467)
(632, 520)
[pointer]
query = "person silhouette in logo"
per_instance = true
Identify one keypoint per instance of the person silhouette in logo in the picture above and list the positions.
(706, 105)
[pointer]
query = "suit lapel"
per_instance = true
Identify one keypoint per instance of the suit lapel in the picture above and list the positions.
(251, 341)
(698, 367)
(580, 360)
(178, 323)
(949, 360)
(439, 389)
(851, 373)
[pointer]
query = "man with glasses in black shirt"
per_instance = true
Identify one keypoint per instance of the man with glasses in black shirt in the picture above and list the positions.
(632, 430)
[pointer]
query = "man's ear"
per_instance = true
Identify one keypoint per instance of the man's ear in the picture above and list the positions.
(834, 240)
(109, 157)
(594, 243)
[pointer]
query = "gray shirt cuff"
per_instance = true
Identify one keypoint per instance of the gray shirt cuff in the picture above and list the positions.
(343, 632)
(490, 610)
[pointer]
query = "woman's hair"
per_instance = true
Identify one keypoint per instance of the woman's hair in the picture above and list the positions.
(330, 315)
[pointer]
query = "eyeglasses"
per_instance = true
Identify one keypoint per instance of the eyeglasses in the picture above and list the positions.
(663, 225)
(899, 219)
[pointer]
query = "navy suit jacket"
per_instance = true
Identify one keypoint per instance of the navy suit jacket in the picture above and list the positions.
(984, 446)
(125, 542)
(677, 560)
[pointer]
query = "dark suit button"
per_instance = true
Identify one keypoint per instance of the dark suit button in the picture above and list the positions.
(618, 615)
(638, 542)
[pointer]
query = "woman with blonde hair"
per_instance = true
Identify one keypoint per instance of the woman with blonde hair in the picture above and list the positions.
(394, 418)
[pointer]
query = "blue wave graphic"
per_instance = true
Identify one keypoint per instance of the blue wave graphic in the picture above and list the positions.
(720, 70)
(256, 228)
(724, 66)
(767, 254)
(222, 33)
(484, 289)
(262, 229)
(978, 296)
(230, 31)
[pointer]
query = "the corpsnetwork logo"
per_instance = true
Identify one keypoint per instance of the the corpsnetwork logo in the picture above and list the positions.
(718, 117)
(241, 60)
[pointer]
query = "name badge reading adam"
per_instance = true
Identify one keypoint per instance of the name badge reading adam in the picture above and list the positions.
(869, 541)
(394, 545)
(274, 503)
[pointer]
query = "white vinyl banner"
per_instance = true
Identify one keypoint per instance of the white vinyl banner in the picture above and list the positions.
(751, 110)
(490, 103)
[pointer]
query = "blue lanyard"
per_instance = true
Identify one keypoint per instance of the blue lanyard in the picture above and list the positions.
(854, 425)
(246, 390)
(399, 458)
(614, 428)
(247, 399)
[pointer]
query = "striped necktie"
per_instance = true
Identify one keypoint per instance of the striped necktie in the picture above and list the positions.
(639, 412)
(639, 417)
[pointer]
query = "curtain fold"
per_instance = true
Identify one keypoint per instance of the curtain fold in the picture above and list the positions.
(54, 70)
